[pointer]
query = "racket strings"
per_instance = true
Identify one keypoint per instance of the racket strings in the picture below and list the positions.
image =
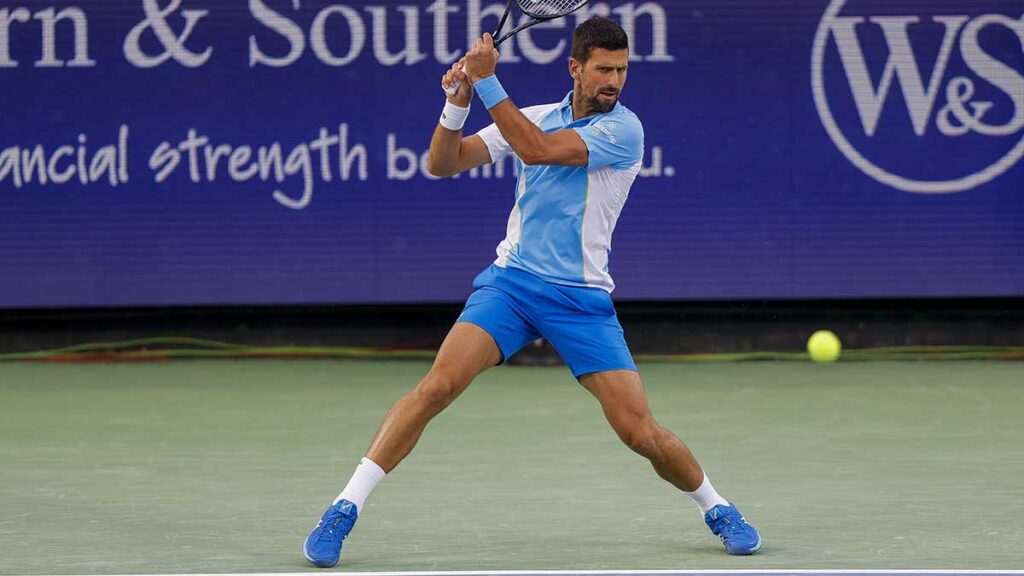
(549, 8)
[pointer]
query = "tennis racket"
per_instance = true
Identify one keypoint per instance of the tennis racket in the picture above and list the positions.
(538, 11)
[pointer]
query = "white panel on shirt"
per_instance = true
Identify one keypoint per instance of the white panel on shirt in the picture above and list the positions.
(608, 189)
(513, 230)
(496, 143)
(498, 148)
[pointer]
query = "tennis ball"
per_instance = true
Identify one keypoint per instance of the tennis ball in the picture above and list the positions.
(824, 346)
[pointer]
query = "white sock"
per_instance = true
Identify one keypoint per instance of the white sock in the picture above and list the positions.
(706, 497)
(365, 479)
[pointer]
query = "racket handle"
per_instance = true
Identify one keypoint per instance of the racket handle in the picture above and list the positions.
(451, 90)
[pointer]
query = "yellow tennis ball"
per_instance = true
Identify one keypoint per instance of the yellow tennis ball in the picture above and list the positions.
(824, 346)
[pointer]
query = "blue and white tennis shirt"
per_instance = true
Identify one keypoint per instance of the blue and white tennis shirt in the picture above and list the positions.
(561, 226)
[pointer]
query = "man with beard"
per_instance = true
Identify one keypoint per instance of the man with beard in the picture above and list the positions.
(577, 160)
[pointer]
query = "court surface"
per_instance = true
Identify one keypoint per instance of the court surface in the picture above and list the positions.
(223, 467)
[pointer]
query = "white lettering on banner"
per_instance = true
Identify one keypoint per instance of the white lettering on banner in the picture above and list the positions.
(534, 53)
(959, 116)
(659, 29)
(282, 26)
(7, 17)
(349, 23)
(204, 161)
(411, 53)
(475, 16)
(23, 165)
(198, 159)
(992, 71)
(414, 164)
(357, 34)
(173, 44)
(49, 19)
(406, 164)
(440, 9)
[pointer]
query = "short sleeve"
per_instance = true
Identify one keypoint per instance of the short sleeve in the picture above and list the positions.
(496, 143)
(617, 141)
(497, 146)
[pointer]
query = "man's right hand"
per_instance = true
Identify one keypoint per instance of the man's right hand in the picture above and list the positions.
(464, 94)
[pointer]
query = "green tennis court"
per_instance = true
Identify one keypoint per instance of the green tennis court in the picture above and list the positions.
(223, 466)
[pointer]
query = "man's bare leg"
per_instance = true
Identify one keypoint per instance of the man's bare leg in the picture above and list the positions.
(622, 397)
(467, 351)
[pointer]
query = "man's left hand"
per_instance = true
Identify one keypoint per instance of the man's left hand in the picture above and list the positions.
(482, 59)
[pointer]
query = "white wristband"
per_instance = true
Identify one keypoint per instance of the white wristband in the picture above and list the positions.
(454, 117)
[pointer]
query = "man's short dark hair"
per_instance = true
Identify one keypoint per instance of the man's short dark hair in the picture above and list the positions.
(598, 32)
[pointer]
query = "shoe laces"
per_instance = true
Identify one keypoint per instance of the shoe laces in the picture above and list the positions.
(727, 527)
(331, 527)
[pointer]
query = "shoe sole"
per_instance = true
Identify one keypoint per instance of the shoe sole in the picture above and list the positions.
(748, 552)
(317, 564)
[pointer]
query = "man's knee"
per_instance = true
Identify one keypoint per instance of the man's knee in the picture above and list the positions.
(438, 389)
(640, 435)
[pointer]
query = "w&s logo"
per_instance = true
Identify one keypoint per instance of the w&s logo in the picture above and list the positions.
(923, 102)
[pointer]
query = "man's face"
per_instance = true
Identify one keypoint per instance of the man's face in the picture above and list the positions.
(600, 79)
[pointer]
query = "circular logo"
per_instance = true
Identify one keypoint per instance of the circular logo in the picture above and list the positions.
(843, 28)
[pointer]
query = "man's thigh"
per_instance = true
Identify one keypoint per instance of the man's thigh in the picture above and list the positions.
(497, 313)
(467, 351)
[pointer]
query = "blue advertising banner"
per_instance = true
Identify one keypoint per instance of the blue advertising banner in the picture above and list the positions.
(185, 152)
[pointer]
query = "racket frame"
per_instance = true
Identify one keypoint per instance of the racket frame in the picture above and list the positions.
(501, 24)
(536, 20)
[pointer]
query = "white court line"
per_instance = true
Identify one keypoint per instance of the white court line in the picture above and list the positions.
(599, 573)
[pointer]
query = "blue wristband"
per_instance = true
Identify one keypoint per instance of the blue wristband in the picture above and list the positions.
(490, 91)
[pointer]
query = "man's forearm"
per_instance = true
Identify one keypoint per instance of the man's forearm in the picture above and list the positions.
(530, 143)
(523, 136)
(445, 145)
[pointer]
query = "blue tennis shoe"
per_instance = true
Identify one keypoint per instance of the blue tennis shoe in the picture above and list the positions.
(727, 523)
(323, 545)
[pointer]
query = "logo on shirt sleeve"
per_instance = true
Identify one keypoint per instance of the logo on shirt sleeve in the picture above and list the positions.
(598, 128)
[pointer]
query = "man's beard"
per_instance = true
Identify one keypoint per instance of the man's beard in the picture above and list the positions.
(600, 106)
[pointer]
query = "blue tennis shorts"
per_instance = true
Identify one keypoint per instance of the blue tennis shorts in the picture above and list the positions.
(516, 307)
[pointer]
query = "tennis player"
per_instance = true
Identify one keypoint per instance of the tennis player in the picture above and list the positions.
(577, 160)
